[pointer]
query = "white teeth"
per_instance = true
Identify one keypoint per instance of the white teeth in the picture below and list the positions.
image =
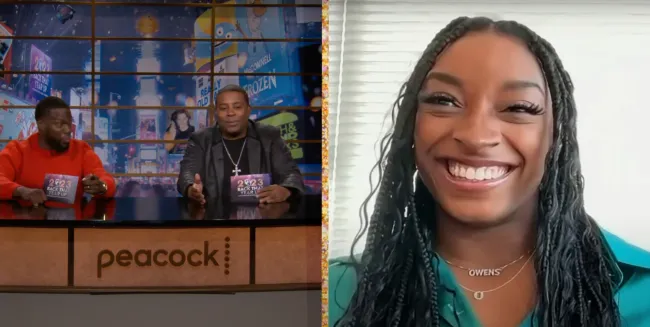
(480, 173)
(476, 173)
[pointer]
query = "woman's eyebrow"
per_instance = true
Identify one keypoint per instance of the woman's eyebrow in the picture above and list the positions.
(445, 78)
(452, 80)
(521, 84)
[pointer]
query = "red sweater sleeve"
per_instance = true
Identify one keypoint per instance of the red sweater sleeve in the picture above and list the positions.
(11, 159)
(93, 165)
(6, 210)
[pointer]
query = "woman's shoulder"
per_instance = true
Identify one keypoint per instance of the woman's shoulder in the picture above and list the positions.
(628, 254)
(341, 285)
(632, 297)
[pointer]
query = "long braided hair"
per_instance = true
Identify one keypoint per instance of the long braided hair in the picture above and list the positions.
(397, 276)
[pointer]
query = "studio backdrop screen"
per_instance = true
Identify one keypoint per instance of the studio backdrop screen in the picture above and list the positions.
(142, 77)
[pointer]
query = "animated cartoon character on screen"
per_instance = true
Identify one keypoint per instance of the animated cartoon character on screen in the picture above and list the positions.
(254, 17)
(224, 32)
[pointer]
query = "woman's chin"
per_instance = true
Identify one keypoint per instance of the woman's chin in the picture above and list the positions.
(475, 215)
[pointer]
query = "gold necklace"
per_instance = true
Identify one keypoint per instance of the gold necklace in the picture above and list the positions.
(486, 272)
(479, 295)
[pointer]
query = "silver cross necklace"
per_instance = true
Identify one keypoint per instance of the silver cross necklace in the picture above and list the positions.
(235, 171)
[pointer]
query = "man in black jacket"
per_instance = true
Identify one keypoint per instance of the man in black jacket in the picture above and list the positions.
(237, 146)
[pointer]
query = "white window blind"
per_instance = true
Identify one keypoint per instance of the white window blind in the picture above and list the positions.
(605, 46)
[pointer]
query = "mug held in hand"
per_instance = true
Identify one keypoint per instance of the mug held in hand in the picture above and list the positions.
(60, 188)
(243, 188)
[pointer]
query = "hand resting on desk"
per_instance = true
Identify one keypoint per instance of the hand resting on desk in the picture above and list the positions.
(93, 185)
(273, 194)
(33, 195)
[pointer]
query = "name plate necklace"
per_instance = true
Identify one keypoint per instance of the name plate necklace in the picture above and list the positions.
(479, 295)
(486, 272)
(235, 171)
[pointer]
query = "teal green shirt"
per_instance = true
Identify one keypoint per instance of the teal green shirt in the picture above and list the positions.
(633, 294)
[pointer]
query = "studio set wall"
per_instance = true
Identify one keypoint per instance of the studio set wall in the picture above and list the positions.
(141, 76)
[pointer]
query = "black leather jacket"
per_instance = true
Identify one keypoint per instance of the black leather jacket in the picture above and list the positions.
(267, 153)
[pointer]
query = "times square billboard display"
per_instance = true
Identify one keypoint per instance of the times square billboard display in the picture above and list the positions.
(269, 91)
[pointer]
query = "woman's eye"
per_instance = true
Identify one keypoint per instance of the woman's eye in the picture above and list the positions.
(446, 101)
(440, 100)
(530, 109)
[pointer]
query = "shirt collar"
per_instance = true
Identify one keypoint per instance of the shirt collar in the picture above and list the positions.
(623, 253)
(34, 145)
(454, 308)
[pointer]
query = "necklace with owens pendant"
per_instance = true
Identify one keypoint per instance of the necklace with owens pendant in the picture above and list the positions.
(486, 272)
(479, 295)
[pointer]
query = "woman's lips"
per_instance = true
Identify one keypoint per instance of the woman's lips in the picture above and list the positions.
(483, 176)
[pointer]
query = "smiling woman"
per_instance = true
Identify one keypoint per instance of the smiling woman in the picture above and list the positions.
(489, 115)
(480, 218)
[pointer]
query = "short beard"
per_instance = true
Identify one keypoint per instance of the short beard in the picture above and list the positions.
(56, 146)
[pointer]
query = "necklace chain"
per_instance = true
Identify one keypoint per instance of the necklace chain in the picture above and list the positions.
(236, 170)
(491, 271)
(479, 295)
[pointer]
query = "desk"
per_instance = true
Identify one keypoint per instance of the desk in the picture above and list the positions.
(131, 245)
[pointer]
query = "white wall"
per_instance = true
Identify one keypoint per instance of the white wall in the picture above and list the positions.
(286, 309)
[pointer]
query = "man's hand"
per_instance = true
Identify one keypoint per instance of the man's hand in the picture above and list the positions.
(34, 195)
(196, 210)
(93, 185)
(273, 194)
(195, 191)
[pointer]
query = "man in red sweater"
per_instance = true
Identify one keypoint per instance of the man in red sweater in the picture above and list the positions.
(24, 164)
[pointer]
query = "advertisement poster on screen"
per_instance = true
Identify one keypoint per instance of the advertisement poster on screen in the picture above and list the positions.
(267, 57)
(6, 50)
(225, 52)
(147, 125)
(248, 57)
(39, 83)
(16, 123)
(202, 91)
(81, 118)
(224, 28)
(225, 65)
